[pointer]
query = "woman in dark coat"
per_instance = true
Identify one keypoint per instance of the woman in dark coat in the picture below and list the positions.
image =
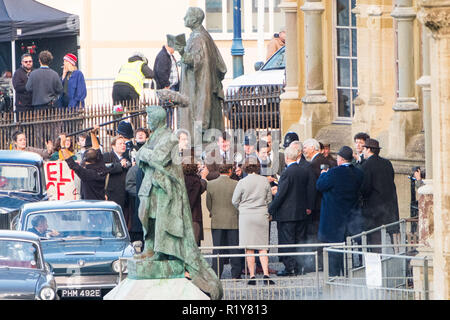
(195, 186)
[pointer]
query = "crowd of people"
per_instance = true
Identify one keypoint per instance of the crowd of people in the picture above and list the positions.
(312, 196)
(43, 87)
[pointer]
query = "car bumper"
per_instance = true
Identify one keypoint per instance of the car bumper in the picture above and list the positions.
(87, 282)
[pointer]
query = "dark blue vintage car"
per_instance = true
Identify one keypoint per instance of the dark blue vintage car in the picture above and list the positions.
(82, 240)
(23, 272)
(22, 180)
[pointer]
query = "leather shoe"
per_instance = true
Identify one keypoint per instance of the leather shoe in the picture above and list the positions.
(252, 281)
(268, 280)
(285, 273)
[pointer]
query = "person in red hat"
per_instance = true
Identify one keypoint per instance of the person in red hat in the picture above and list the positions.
(73, 83)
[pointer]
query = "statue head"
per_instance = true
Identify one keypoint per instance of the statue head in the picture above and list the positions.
(156, 117)
(194, 17)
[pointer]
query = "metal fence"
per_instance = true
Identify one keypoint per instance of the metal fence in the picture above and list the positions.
(256, 110)
(40, 126)
(397, 282)
(253, 107)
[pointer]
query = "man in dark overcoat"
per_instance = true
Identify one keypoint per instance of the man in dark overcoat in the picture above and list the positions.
(291, 206)
(311, 150)
(379, 193)
(340, 212)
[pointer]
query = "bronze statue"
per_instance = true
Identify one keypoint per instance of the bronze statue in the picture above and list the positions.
(170, 247)
(202, 72)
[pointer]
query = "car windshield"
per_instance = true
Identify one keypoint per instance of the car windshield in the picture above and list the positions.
(19, 254)
(75, 224)
(277, 61)
(19, 178)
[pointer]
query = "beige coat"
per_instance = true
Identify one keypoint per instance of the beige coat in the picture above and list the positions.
(218, 200)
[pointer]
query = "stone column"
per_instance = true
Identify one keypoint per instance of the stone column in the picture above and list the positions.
(406, 110)
(290, 106)
(425, 83)
(435, 15)
(404, 14)
(369, 105)
(425, 198)
(316, 111)
(313, 10)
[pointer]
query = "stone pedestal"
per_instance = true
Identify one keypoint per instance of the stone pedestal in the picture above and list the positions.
(402, 128)
(156, 289)
(290, 105)
(426, 217)
(314, 117)
(155, 280)
(426, 232)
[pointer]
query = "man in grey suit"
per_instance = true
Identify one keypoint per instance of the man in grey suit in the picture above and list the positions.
(224, 219)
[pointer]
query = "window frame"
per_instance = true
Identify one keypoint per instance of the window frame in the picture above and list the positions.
(335, 46)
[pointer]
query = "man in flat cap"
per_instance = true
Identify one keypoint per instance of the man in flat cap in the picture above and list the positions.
(379, 193)
(340, 211)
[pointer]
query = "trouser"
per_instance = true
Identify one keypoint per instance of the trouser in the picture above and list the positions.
(226, 237)
(292, 232)
(374, 238)
(123, 93)
(313, 237)
(335, 263)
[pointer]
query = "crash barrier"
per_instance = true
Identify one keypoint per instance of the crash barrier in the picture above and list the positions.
(379, 276)
(253, 107)
(303, 286)
(399, 234)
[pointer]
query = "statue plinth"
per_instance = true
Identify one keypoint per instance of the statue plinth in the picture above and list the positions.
(150, 269)
(155, 280)
(156, 289)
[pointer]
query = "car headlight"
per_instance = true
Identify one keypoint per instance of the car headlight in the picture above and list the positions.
(117, 265)
(47, 293)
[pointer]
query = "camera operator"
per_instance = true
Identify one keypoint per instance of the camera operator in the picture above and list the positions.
(418, 176)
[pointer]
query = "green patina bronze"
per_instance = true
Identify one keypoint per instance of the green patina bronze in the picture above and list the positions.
(164, 211)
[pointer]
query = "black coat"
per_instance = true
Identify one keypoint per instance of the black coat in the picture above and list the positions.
(23, 97)
(115, 189)
(296, 189)
(379, 193)
(162, 68)
(92, 178)
(340, 214)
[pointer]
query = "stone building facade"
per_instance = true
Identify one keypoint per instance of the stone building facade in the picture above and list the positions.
(380, 67)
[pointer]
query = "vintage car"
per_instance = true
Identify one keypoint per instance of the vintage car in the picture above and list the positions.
(23, 271)
(22, 180)
(82, 241)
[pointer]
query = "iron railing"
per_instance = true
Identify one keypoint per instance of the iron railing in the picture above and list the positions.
(247, 109)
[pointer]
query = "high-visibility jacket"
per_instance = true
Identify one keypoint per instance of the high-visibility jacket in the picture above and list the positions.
(131, 73)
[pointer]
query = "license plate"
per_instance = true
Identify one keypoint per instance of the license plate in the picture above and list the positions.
(80, 293)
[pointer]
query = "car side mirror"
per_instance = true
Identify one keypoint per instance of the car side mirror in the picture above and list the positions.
(258, 65)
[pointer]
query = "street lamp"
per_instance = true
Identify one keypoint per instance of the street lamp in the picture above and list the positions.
(237, 49)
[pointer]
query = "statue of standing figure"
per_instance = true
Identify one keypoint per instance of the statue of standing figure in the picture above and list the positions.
(165, 214)
(202, 72)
